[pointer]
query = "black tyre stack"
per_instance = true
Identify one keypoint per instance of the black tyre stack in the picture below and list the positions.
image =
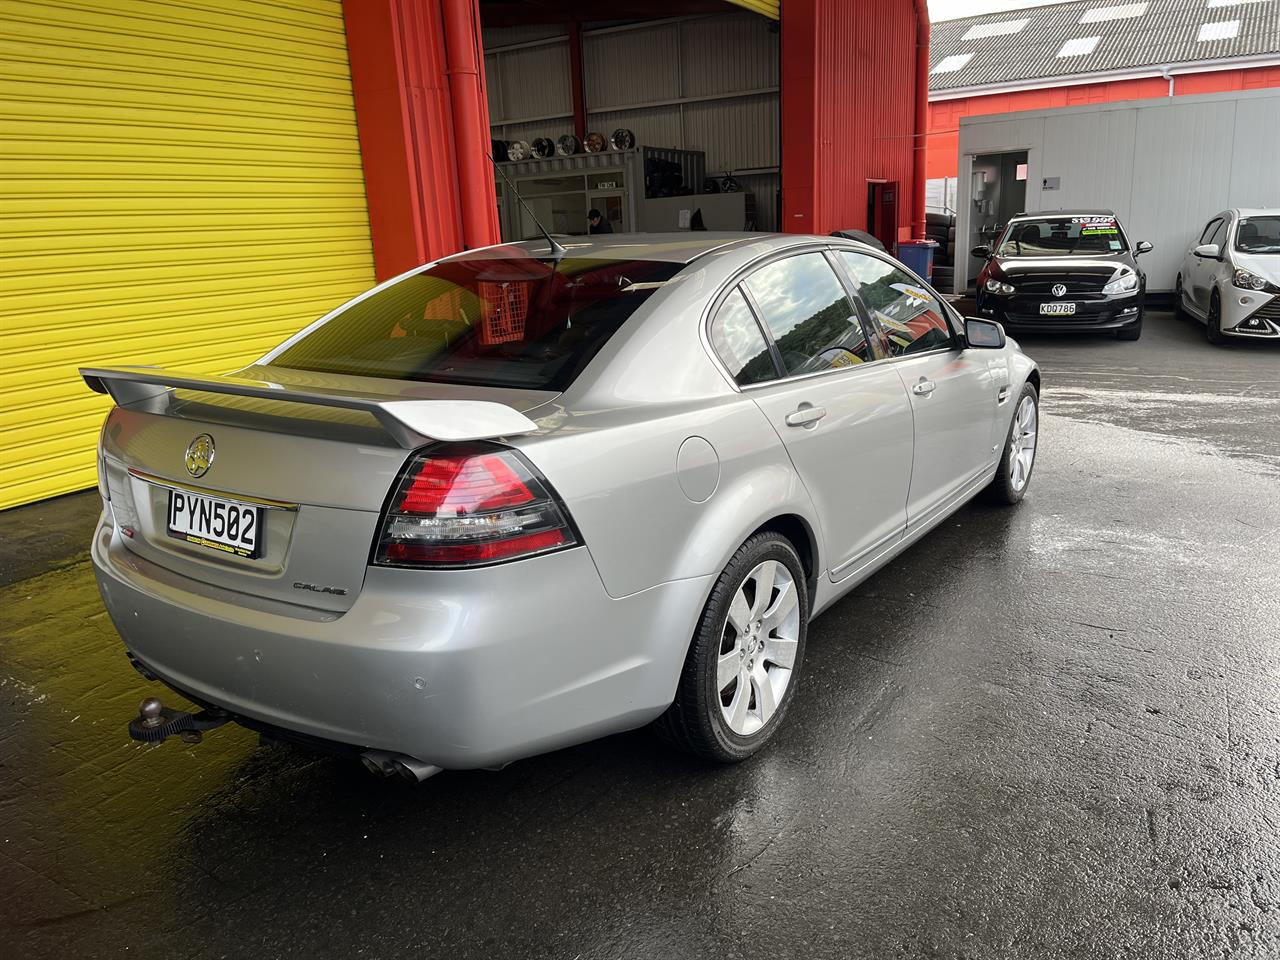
(941, 229)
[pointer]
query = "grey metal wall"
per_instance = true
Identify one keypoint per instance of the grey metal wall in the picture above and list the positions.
(1164, 166)
(698, 83)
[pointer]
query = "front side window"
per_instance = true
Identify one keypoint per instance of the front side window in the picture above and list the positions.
(1258, 235)
(1209, 229)
(1218, 233)
(809, 315)
(741, 346)
(913, 321)
(1090, 235)
(496, 322)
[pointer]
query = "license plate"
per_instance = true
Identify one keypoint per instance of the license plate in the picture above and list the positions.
(223, 525)
(1057, 309)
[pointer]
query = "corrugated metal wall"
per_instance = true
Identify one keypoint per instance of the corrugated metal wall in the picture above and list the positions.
(1164, 166)
(182, 187)
(849, 108)
(697, 83)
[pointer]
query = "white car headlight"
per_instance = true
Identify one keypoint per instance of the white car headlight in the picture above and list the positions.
(1125, 283)
(1000, 288)
(1248, 281)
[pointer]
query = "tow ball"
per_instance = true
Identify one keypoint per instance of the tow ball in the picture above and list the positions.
(155, 722)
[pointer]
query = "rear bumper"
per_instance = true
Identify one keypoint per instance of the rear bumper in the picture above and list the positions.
(459, 669)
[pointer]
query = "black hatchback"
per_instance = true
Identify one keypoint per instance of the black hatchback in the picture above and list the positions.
(1064, 271)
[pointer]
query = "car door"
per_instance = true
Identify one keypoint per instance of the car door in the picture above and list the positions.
(1205, 268)
(954, 391)
(844, 417)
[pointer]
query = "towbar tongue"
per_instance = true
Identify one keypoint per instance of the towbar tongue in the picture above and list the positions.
(155, 722)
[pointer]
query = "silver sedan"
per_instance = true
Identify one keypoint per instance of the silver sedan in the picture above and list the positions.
(527, 496)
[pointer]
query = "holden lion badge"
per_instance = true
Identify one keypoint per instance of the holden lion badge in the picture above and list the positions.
(200, 455)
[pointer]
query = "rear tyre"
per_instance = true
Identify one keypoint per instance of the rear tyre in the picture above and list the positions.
(1213, 323)
(744, 662)
(1131, 332)
(1179, 311)
(1013, 476)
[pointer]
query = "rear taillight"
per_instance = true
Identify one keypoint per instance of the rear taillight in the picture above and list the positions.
(468, 505)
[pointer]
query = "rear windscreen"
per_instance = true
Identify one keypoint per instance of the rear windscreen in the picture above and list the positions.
(509, 322)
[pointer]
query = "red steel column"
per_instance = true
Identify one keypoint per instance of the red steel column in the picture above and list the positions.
(575, 80)
(922, 121)
(470, 121)
(396, 53)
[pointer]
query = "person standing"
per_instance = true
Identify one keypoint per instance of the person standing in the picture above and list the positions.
(597, 222)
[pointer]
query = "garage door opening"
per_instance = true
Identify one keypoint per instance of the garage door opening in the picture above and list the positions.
(666, 121)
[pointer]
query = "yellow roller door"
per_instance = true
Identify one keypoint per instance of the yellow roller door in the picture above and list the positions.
(180, 185)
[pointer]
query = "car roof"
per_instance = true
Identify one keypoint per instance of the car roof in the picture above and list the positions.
(682, 247)
(1063, 213)
(1256, 211)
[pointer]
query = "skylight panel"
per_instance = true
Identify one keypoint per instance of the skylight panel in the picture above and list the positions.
(1221, 30)
(952, 63)
(980, 31)
(1078, 47)
(1120, 12)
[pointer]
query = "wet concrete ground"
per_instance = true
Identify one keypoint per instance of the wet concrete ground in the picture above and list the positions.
(1052, 731)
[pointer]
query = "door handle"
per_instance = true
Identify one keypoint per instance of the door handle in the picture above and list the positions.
(806, 415)
(924, 387)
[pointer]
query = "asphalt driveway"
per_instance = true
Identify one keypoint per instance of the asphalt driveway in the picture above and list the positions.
(1052, 731)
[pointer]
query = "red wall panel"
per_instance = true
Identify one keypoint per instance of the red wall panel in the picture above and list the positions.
(847, 105)
(944, 115)
(409, 134)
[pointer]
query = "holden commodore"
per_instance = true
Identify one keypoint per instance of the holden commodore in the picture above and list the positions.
(1065, 271)
(530, 495)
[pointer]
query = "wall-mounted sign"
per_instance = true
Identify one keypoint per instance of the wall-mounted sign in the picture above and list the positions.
(1051, 183)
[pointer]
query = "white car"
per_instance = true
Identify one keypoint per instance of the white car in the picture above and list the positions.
(1230, 279)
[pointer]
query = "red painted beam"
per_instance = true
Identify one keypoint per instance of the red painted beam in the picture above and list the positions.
(576, 80)
(470, 122)
(920, 141)
(396, 54)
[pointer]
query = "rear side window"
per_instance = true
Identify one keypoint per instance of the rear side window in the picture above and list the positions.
(809, 315)
(737, 339)
(912, 320)
(503, 322)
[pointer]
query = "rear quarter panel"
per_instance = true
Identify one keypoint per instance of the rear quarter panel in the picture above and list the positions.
(617, 472)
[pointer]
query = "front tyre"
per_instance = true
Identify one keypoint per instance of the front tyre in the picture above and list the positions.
(742, 667)
(1013, 476)
(1213, 323)
(1133, 331)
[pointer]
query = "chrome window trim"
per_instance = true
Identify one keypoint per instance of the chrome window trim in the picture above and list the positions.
(704, 332)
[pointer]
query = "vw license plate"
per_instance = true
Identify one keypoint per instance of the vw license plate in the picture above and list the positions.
(224, 525)
(1057, 309)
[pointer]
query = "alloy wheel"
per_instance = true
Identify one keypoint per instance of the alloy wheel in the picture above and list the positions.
(1022, 443)
(758, 647)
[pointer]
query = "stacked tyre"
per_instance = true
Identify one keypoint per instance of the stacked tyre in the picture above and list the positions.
(941, 229)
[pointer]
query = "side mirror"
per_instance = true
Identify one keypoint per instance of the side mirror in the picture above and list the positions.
(982, 252)
(986, 334)
(1207, 250)
(1144, 246)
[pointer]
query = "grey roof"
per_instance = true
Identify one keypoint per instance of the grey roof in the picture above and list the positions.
(1165, 33)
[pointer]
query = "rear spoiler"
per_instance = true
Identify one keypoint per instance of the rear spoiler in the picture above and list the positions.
(411, 422)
